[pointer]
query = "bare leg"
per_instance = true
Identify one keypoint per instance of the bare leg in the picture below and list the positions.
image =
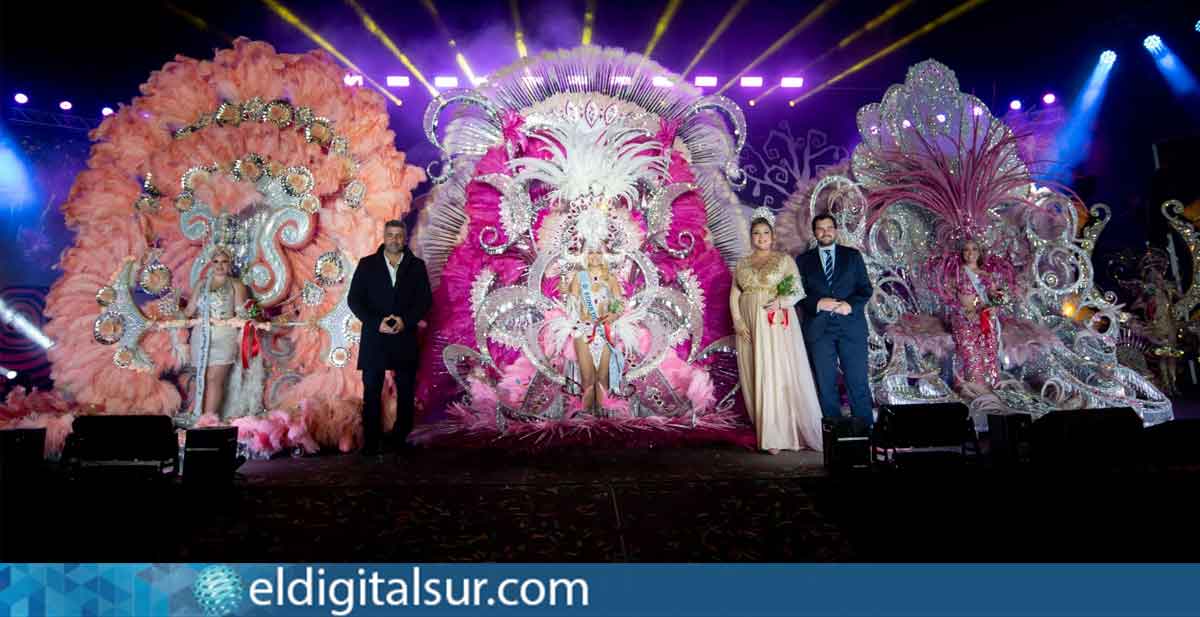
(587, 372)
(214, 388)
(602, 378)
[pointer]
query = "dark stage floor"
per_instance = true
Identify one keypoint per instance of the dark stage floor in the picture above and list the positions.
(703, 504)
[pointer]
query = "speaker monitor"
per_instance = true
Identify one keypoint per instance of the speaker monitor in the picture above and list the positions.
(1008, 434)
(210, 454)
(147, 441)
(846, 443)
(1087, 437)
(937, 425)
(1172, 443)
(21, 454)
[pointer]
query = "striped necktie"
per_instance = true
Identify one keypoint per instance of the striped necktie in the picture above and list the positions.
(828, 255)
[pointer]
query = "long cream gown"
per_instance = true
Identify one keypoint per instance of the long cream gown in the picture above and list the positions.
(777, 382)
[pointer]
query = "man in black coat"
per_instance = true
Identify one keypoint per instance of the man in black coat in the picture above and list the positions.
(837, 290)
(389, 294)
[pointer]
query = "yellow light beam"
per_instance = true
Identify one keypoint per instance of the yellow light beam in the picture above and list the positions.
(716, 34)
(289, 17)
(878, 20)
(378, 32)
(660, 27)
(197, 22)
(518, 30)
(812, 16)
(459, 58)
(943, 19)
(589, 22)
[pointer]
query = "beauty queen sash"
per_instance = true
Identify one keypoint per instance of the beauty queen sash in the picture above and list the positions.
(616, 359)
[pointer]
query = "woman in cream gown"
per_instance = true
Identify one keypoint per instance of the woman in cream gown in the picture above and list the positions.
(776, 379)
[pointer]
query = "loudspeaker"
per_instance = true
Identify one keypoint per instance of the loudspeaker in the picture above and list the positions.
(935, 425)
(21, 455)
(1172, 443)
(1087, 437)
(846, 443)
(133, 441)
(210, 455)
(1008, 436)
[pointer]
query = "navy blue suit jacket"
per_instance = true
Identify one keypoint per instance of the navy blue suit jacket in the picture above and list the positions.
(850, 284)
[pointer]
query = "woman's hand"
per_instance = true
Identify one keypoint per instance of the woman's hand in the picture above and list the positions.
(742, 332)
(608, 318)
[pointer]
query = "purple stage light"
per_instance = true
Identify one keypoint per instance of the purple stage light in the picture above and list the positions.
(941, 117)
(65, 105)
(661, 81)
(791, 82)
(706, 81)
(751, 82)
(1015, 105)
(906, 124)
(107, 111)
(20, 98)
(1049, 98)
(398, 81)
(445, 81)
(623, 80)
(350, 79)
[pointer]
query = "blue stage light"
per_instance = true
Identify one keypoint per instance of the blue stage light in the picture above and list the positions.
(1153, 43)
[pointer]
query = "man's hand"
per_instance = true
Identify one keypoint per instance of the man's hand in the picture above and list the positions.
(843, 308)
(827, 304)
(392, 327)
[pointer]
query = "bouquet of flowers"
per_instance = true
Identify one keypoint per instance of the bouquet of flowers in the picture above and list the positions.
(786, 287)
(615, 307)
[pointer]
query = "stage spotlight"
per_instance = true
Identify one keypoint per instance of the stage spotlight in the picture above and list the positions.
(65, 106)
(1177, 74)
(1049, 98)
(752, 103)
(20, 98)
(660, 81)
(1153, 43)
(398, 81)
(791, 82)
(8, 373)
(11, 318)
(716, 34)
(623, 80)
(1014, 105)
(350, 79)
(107, 111)
(1198, 25)
(941, 117)
(751, 82)
(1073, 140)
(445, 81)
(706, 81)
(906, 124)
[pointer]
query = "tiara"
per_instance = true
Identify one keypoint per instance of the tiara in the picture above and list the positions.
(763, 212)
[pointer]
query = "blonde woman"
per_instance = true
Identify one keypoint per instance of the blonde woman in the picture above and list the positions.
(596, 293)
(215, 345)
(776, 379)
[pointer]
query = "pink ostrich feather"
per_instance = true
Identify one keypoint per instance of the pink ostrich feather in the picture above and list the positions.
(139, 140)
(958, 183)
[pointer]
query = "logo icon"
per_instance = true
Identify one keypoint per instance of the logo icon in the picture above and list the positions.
(218, 591)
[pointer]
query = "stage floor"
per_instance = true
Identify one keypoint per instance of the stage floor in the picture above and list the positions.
(699, 504)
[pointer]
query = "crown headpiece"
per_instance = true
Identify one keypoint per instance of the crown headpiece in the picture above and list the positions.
(765, 213)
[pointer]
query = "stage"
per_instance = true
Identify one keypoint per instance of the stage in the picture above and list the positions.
(648, 505)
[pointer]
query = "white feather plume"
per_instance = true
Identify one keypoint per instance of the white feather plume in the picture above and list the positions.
(608, 165)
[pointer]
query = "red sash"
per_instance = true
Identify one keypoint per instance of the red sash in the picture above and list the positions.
(783, 320)
(250, 344)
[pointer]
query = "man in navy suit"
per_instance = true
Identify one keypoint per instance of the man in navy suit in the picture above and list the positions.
(389, 294)
(837, 290)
